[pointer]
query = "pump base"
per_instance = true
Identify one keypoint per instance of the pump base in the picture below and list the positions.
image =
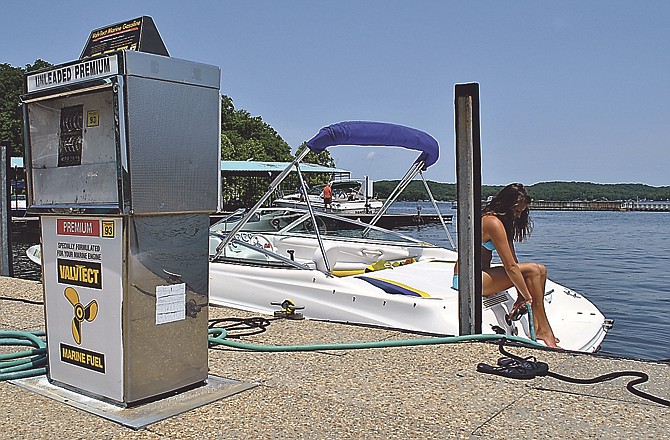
(137, 417)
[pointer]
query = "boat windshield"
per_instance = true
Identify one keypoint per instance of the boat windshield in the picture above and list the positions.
(334, 227)
(290, 221)
(341, 189)
(263, 220)
(251, 249)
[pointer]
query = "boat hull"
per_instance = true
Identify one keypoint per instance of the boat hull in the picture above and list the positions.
(351, 299)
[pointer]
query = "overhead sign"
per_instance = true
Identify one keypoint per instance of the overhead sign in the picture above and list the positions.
(138, 34)
(74, 73)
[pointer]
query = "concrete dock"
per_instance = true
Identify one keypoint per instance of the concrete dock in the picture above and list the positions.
(421, 392)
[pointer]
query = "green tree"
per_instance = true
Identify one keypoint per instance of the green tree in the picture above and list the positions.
(11, 116)
(324, 158)
(248, 137)
(11, 87)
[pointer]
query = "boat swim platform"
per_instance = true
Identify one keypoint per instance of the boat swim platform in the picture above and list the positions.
(430, 391)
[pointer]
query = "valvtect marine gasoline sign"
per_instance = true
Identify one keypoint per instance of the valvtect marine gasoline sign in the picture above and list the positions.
(82, 271)
(138, 34)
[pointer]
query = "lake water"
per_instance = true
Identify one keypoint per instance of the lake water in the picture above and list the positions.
(619, 260)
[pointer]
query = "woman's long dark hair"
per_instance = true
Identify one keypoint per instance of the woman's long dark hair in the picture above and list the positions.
(502, 206)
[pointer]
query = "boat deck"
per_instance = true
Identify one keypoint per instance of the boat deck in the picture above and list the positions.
(430, 391)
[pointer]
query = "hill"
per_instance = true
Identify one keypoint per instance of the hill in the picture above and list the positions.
(554, 191)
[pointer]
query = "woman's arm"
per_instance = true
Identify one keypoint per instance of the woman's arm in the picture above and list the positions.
(493, 228)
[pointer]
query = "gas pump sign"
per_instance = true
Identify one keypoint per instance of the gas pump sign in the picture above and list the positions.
(83, 282)
(79, 71)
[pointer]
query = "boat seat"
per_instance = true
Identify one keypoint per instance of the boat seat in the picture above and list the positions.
(309, 263)
(331, 254)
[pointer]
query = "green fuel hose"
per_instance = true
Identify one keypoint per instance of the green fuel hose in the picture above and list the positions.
(33, 362)
(23, 364)
(218, 337)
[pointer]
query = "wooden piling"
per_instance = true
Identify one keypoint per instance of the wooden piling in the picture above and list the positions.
(468, 185)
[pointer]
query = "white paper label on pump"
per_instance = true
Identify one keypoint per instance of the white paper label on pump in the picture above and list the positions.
(170, 303)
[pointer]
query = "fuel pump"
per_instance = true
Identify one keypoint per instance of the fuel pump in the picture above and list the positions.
(123, 151)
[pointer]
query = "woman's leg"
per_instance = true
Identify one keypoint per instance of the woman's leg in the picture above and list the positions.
(495, 279)
(536, 279)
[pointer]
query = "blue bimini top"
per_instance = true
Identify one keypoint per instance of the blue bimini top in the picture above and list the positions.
(365, 133)
(488, 245)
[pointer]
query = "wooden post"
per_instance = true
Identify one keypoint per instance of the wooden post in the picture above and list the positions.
(6, 268)
(468, 185)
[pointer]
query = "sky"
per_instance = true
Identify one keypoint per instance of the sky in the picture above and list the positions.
(569, 90)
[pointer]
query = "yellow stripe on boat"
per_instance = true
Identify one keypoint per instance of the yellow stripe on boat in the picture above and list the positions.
(347, 273)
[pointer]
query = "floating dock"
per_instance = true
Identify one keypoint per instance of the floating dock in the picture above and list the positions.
(582, 205)
(430, 391)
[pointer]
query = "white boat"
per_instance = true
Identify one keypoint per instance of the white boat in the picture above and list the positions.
(348, 271)
(349, 197)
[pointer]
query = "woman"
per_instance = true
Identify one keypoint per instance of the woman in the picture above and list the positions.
(505, 220)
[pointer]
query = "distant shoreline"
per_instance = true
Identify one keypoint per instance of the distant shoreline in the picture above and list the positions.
(547, 191)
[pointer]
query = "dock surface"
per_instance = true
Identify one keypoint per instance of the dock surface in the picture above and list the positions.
(420, 392)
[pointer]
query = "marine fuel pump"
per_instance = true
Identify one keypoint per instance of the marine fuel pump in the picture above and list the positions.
(122, 155)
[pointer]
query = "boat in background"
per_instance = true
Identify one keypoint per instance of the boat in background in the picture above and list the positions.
(349, 197)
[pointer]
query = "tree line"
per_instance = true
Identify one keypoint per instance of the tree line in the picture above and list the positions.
(552, 191)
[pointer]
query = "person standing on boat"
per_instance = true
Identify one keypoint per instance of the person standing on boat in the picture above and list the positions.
(328, 197)
(505, 219)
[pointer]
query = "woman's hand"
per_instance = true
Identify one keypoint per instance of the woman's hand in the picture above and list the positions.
(521, 302)
(518, 310)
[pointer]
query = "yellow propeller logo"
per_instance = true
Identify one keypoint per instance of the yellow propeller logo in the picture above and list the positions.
(81, 313)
